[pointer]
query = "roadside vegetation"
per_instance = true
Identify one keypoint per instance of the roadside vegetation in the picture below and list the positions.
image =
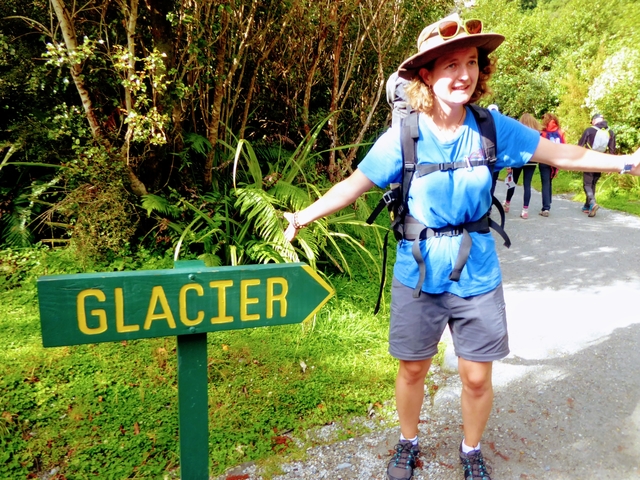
(110, 410)
(131, 137)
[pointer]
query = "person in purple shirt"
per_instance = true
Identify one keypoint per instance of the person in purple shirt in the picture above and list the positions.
(449, 72)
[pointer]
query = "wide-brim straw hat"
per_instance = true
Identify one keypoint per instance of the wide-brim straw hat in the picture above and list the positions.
(431, 45)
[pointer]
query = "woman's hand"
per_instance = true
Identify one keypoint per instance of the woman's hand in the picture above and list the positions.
(291, 231)
(635, 160)
(572, 157)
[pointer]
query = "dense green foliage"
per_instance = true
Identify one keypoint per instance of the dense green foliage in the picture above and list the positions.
(569, 57)
(122, 124)
(114, 101)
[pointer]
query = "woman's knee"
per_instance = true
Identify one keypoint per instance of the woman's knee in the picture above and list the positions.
(476, 377)
(413, 372)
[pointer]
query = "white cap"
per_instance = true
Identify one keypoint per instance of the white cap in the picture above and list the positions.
(493, 106)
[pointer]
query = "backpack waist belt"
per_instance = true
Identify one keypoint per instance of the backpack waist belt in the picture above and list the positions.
(416, 232)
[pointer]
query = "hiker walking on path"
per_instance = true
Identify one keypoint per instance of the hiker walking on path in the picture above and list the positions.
(448, 210)
(597, 137)
(551, 131)
(527, 173)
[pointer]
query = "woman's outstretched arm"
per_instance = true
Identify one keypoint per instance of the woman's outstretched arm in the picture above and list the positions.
(339, 196)
(573, 157)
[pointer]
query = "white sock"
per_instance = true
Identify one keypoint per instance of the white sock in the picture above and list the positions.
(414, 440)
(466, 448)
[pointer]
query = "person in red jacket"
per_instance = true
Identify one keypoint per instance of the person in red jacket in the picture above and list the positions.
(551, 131)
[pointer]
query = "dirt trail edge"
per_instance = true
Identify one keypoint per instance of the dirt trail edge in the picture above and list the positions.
(567, 399)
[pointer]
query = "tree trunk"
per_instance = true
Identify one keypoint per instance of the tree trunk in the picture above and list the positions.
(69, 35)
(265, 54)
(213, 129)
(335, 97)
(132, 13)
(223, 85)
(137, 187)
(306, 101)
(71, 42)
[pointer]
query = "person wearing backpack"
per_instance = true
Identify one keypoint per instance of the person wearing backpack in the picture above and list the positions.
(449, 209)
(551, 131)
(527, 173)
(600, 138)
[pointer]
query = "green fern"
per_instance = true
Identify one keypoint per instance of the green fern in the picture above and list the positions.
(153, 203)
(197, 143)
(259, 209)
(242, 223)
(294, 196)
(14, 231)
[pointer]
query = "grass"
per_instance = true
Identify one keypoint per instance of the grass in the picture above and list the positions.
(110, 410)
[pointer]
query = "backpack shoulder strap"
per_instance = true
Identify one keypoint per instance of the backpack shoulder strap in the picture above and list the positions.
(488, 133)
(409, 134)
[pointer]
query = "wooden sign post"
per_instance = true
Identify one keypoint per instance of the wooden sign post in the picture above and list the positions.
(187, 302)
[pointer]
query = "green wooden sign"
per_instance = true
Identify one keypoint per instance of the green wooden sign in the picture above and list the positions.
(187, 302)
(115, 306)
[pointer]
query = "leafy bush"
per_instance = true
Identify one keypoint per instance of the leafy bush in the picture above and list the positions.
(559, 57)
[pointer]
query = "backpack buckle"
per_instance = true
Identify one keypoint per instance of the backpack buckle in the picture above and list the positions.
(467, 160)
(391, 195)
(443, 167)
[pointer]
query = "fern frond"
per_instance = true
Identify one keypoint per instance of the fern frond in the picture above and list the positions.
(252, 163)
(359, 249)
(294, 196)
(197, 143)
(14, 231)
(263, 252)
(210, 260)
(154, 203)
(302, 156)
(272, 154)
(258, 206)
(343, 260)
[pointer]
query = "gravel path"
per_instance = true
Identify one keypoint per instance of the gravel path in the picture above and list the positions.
(567, 399)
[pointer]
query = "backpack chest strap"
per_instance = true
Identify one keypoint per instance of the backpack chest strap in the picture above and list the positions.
(425, 169)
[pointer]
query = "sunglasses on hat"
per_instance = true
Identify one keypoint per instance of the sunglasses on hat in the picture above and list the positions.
(450, 28)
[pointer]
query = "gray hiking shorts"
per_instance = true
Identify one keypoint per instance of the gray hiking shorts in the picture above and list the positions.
(478, 324)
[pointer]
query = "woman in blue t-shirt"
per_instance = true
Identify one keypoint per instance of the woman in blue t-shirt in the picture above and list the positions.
(450, 71)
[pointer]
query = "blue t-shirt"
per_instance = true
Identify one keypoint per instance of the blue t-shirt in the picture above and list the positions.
(451, 197)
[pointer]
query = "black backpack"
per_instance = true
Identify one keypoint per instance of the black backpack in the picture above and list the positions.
(406, 227)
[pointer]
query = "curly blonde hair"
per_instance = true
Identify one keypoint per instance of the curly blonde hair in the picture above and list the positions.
(421, 96)
(530, 121)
